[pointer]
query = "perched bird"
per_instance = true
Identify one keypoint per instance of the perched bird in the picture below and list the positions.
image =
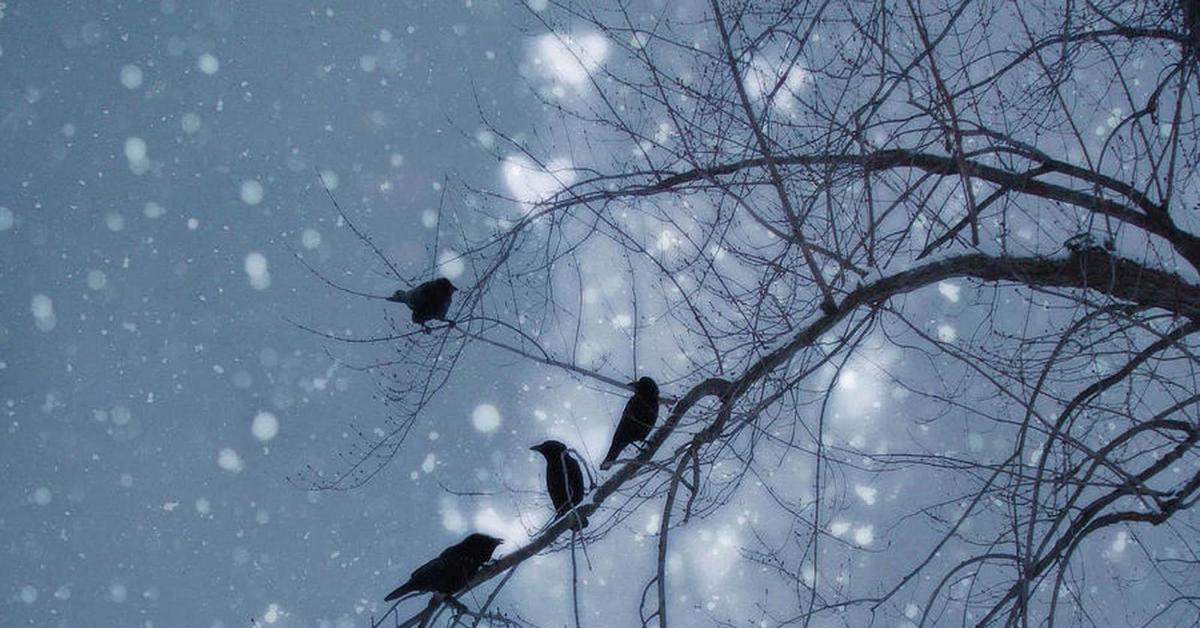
(636, 421)
(428, 301)
(564, 480)
(451, 570)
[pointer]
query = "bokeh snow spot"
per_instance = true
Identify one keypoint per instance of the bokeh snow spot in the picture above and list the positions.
(256, 271)
(42, 496)
(529, 183)
(265, 426)
(310, 238)
(251, 192)
(949, 290)
(569, 59)
(451, 264)
(486, 418)
(208, 64)
(229, 460)
(131, 76)
(866, 493)
(43, 312)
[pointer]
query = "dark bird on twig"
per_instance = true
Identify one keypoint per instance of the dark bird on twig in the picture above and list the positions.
(564, 480)
(451, 570)
(636, 421)
(428, 301)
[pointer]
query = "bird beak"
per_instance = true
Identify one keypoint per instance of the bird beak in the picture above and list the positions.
(537, 448)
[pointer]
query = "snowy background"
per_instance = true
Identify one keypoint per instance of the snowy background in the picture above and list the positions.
(158, 158)
(160, 166)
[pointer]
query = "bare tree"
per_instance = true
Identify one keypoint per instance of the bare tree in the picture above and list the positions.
(987, 207)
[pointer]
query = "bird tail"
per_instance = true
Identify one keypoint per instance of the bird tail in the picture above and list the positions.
(401, 296)
(613, 452)
(403, 590)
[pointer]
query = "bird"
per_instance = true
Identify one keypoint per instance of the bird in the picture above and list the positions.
(641, 411)
(428, 301)
(564, 480)
(451, 570)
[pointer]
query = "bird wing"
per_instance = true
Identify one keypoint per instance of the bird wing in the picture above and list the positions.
(574, 477)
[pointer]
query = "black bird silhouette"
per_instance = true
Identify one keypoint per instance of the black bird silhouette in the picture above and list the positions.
(564, 480)
(451, 570)
(428, 301)
(636, 421)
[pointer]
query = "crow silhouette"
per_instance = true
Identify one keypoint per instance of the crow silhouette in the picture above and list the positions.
(641, 411)
(564, 480)
(451, 570)
(428, 301)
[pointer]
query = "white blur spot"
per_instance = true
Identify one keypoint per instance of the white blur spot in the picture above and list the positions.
(537, 5)
(153, 210)
(96, 279)
(864, 535)
(485, 418)
(330, 179)
(251, 192)
(131, 76)
(866, 494)
(43, 312)
(765, 80)
(256, 271)
(273, 614)
(117, 592)
(203, 506)
(530, 184)
(452, 518)
(230, 461)
(310, 238)
(264, 426)
(170, 506)
(568, 59)
(208, 64)
(848, 380)
(947, 333)
(429, 463)
(29, 594)
(114, 221)
(136, 153)
(911, 611)
(193, 224)
(429, 219)
(949, 290)
(1119, 543)
(7, 219)
(488, 521)
(42, 496)
(451, 264)
(190, 123)
(838, 528)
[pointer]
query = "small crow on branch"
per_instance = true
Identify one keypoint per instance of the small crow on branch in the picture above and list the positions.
(636, 421)
(564, 480)
(451, 570)
(428, 301)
